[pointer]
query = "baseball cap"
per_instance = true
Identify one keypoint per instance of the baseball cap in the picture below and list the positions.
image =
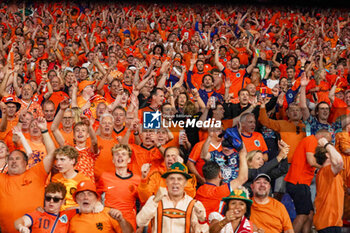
(267, 177)
(85, 185)
(84, 84)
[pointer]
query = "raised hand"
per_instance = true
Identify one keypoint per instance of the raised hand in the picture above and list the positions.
(161, 193)
(41, 123)
(145, 168)
(64, 104)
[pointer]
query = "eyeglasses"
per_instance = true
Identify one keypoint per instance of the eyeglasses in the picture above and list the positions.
(55, 199)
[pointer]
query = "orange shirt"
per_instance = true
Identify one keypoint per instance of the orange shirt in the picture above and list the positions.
(20, 194)
(86, 162)
(57, 97)
(46, 222)
(141, 155)
(39, 152)
(71, 187)
(329, 201)
(272, 217)
(300, 171)
(94, 223)
(210, 195)
(287, 129)
(238, 81)
(121, 193)
(254, 141)
(195, 155)
(151, 184)
(104, 161)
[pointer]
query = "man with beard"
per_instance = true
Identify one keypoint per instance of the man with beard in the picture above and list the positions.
(195, 80)
(234, 73)
(266, 212)
(207, 89)
(108, 220)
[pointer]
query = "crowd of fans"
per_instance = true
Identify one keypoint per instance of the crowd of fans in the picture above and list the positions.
(78, 83)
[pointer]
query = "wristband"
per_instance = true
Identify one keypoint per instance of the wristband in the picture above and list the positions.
(136, 133)
(328, 143)
(44, 131)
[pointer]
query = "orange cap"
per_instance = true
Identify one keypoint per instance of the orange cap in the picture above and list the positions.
(84, 84)
(85, 185)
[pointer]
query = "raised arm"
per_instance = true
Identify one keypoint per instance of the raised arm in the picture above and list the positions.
(334, 156)
(217, 62)
(57, 120)
(243, 170)
(49, 144)
(304, 109)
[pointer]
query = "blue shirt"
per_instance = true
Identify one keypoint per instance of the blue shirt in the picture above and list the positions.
(229, 164)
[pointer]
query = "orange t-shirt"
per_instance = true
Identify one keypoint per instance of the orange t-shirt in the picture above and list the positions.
(272, 217)
(210, 195)
(329, 201)
(94, 223)
(300, 171)
(287, 129)
(254, 141)
(238, 81)
(121, 193)
(57, 97)
(141, 155)
(104, 161)
(20, 194)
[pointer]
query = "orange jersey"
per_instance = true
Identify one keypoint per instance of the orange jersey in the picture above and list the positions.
(71, 186)
(47, 222)
(141, 155)
(57, 97)
(272, 217)
(300, 171)
(94, 223)
(86, 162)
(254, 141)
(121, 193)
(104, 161)
(238, 80)
(210, 195)
(329, 201)
(20, 194)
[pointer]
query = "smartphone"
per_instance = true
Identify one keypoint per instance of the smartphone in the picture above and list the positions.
(263, 92)
(213, 102)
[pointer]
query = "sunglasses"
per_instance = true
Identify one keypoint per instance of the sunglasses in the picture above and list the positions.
(298, 129)
(55, 199)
